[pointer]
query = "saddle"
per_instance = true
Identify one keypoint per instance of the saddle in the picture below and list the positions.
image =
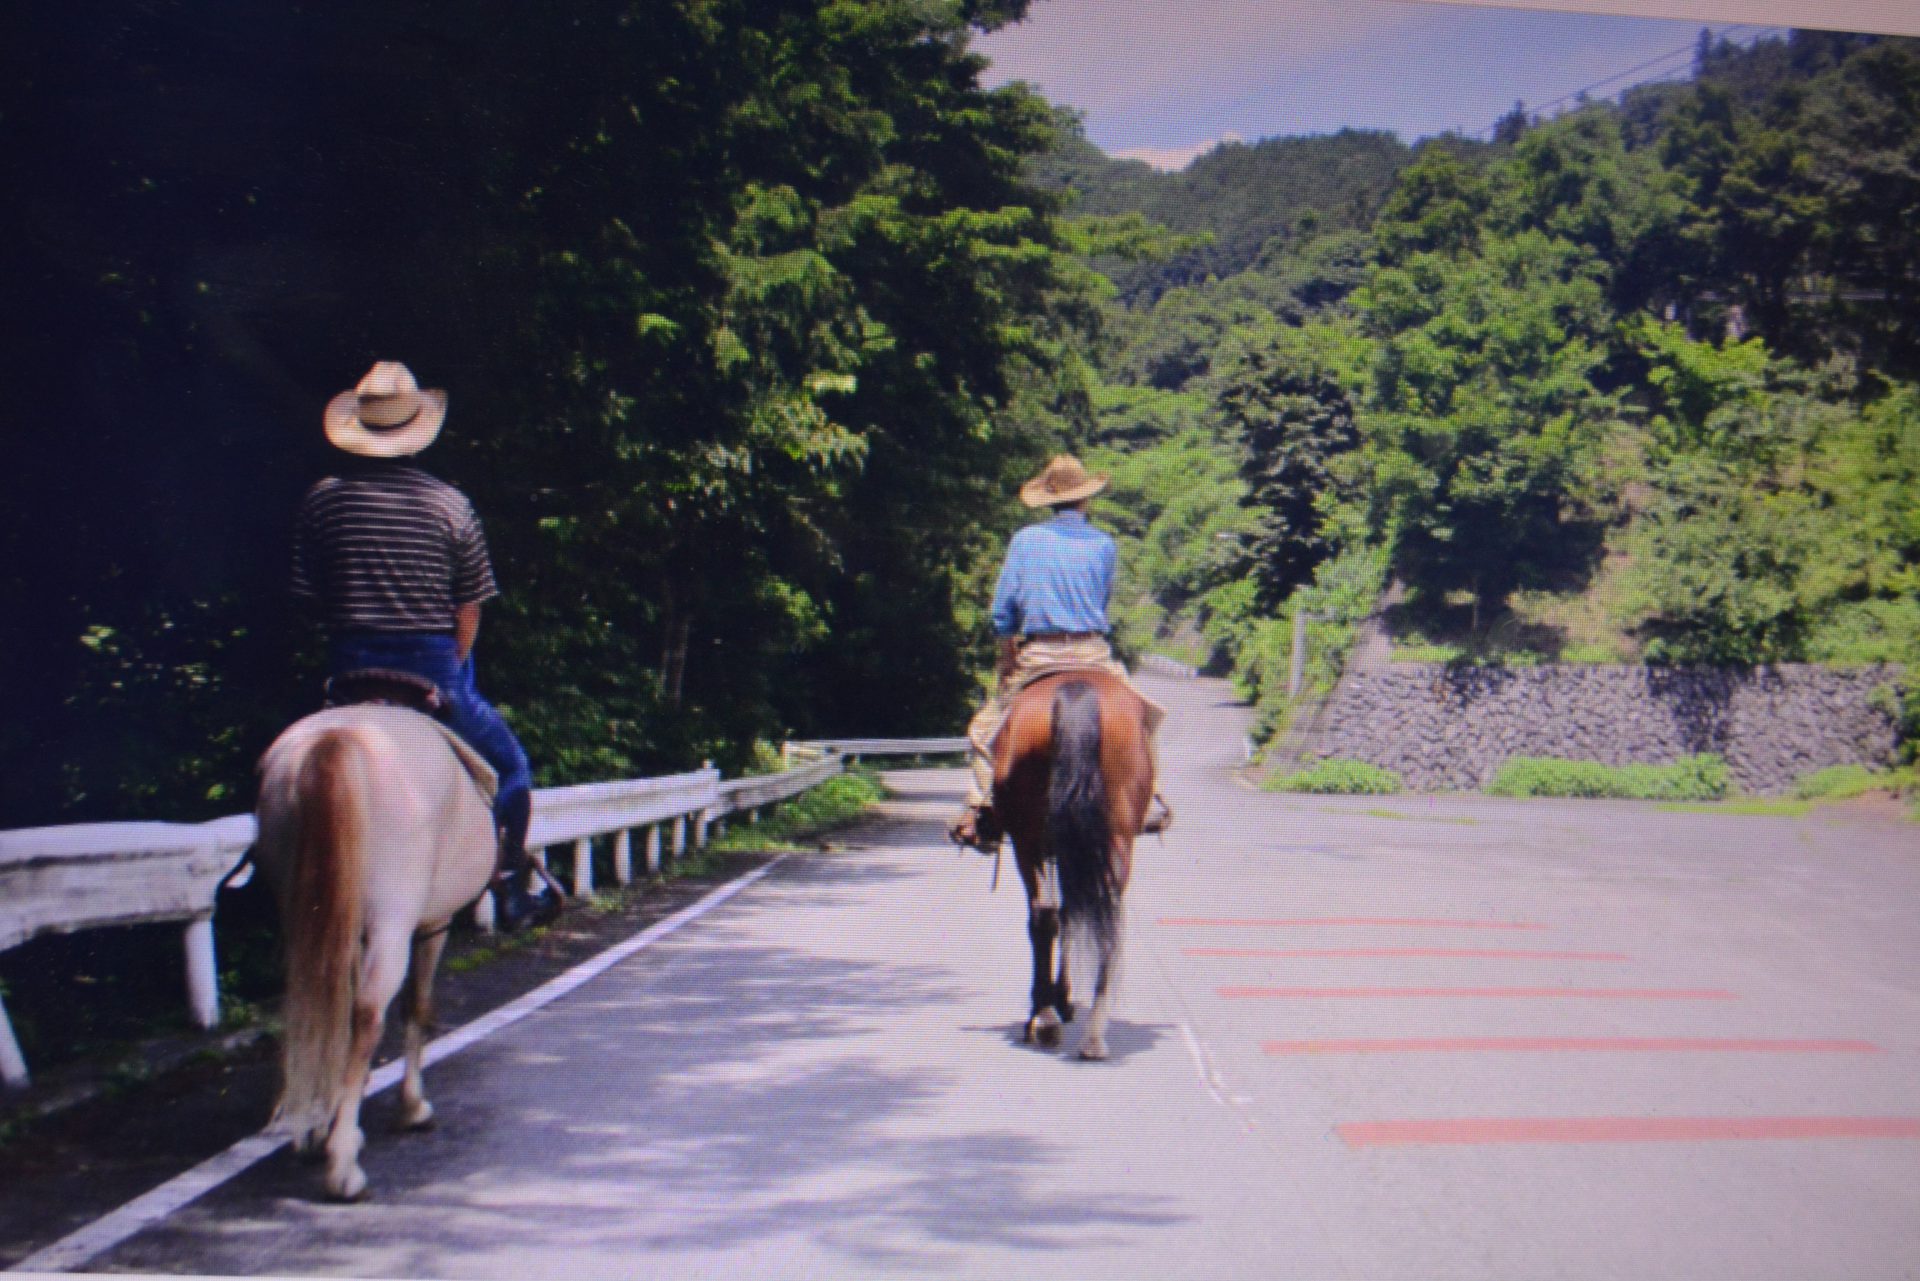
(384, 687)
(389, 688)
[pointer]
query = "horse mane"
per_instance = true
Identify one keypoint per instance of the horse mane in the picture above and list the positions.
(322, 911)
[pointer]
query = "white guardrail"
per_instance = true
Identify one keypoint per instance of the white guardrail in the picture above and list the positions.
(57, 880)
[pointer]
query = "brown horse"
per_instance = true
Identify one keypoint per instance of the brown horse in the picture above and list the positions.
(1073, 776)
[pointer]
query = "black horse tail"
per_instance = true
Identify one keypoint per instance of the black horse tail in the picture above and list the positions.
(1078, 833)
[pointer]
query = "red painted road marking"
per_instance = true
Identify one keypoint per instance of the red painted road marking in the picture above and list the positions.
(1623, 1129)
(1303, 921)
(1608, 1044)
(1304, 953)
(1595, 993)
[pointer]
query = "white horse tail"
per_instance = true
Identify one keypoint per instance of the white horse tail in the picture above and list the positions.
(324, 927)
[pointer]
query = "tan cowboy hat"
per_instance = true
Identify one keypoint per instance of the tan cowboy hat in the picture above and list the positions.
(388, 415)
(1064, 481)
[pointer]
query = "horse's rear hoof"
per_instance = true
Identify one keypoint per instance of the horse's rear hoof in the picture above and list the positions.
(1043, 1029)
(351, 1187)
(1093, 1051)
(420, 1119)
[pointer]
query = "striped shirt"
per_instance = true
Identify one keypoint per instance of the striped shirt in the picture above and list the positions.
(388, 548)
(1057, 578)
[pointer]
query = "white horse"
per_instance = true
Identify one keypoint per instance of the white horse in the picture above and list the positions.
(375, 828)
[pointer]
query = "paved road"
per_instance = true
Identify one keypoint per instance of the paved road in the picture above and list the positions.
(1410, 1038)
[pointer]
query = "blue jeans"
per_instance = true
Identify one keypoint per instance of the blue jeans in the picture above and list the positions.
(471, 716)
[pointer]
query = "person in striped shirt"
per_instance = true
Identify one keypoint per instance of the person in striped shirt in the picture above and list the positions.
(1050, 614)
(398, 563)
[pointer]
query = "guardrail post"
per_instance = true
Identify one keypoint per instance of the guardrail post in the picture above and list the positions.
(13, 1064)
(679, 837)
(583, 867)
(700, 825)
(623, 856)
(203, 979)
(483, 912)
(653, 848)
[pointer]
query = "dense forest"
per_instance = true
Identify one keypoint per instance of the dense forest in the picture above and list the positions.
(748, 313)
(1636, 383)
(752, 315)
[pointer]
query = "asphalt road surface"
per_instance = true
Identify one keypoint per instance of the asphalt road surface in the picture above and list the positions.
(1367, 1038)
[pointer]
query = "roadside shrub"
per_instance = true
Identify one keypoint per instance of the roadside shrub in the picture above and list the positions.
(1691, 778)
(1339, 777)
(1839, 783)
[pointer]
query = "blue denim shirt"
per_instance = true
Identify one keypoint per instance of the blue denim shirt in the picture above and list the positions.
(1058, 577)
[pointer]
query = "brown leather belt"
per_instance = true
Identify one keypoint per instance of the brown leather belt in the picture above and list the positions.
(1062, 636)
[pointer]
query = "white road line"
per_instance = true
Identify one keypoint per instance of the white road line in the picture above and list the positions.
(1209, 1073)
(88, 1243)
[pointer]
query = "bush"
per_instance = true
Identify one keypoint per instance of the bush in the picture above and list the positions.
(1691, 778)
(1839, 783)
(1339, 777)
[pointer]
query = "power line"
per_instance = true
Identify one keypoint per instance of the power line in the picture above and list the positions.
(1687, 50)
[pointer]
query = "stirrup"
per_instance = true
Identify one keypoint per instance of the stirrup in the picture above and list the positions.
(979, 829)
(515, 907)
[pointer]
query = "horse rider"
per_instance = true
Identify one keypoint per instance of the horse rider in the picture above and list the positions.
(1050, 614)
(398, 563)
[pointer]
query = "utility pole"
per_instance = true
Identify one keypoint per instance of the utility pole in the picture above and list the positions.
(1297, 669)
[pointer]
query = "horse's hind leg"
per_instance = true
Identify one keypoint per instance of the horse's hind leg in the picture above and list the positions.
(384, 967)
(1043, 931)
(417, 1002)
(1062, 1003)
(1093, 1045)
(1043, 1023)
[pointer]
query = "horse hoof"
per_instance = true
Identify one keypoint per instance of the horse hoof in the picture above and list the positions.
(351, 1187)
(1043, 1028)
(1093, 1051)
(421, 1118)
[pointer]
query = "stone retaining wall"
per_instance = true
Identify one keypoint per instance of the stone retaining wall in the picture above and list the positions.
(1449, 729)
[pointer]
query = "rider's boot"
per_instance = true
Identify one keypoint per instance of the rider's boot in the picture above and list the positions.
(514, 907)
(978, 828)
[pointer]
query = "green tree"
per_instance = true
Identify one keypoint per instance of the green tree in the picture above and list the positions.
(1485, 419)
(1289, 401)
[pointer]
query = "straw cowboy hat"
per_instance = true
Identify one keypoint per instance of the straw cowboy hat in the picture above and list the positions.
(388, 415)
(1064, 481)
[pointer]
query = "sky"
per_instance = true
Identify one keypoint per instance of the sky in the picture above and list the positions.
(1164, 80)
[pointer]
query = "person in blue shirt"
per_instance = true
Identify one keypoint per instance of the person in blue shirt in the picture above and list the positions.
(1050, 613)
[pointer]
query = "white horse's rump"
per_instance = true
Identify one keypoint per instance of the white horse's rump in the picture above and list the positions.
(375, 828)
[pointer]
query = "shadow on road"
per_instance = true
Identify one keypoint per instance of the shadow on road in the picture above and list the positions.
(733, 1095)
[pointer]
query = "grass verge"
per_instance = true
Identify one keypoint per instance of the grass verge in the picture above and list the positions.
(1338, 777)
(1691, 778)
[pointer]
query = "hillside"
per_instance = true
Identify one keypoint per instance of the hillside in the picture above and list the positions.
(1242, 195)
(1634, 384)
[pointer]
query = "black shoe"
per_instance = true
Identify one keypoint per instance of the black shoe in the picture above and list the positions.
(979, 828)
(516, 909)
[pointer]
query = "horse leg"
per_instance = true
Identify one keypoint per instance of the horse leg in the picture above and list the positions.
(1062, 1002)
(1094, 1044)
(384, 968)
(417, 1000)
(1043, 1022)
(1043, 931)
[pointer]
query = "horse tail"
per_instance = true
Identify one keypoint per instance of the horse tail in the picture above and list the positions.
(1079, 834)
(323, 915)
